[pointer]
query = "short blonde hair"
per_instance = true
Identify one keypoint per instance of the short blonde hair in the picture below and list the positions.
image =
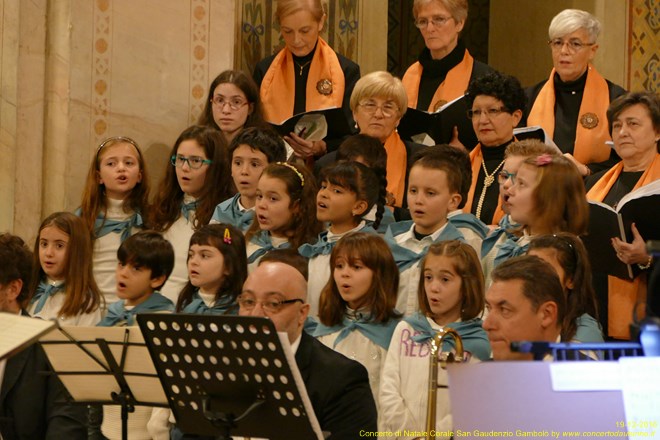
(380, 84)
(457, 8)
(288, 7)
(570, 20)
(528, 148)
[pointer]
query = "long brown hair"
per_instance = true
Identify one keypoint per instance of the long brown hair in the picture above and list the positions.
(375, 254)
(94, 200)
(249, 88)
(82, 293)
(301, 188)
(218, 185)
(467, 266)
(560, 201)
(572, 256)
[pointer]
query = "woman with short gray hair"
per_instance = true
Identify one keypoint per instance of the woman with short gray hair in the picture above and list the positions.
(571, 105)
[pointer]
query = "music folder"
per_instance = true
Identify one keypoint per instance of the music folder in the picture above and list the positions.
(331, 123)
(18, 332)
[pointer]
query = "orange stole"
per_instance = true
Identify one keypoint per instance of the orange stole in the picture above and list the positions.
(397, 162)
(475, 158)
(623, 294)
(455, 83)
(278, 87)
(589, 143)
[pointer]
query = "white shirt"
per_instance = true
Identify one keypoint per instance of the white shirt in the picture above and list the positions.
(179, 235)
(406, 301)
(53, 305)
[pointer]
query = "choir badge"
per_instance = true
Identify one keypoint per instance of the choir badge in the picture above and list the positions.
(324, 86)
(589, 120)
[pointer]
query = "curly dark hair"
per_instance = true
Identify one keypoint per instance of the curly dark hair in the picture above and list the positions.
(506, 88)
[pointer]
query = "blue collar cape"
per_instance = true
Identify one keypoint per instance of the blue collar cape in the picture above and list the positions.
(187, 208)
(323, 246)
(405, 257)
(229, 212)
(469, 221)
(43, 292)
(474, 337)
(262, 239)
(503, 227)
(378, 333)
(223, 306)
(117, 314)
(509, 249)
(104, 226)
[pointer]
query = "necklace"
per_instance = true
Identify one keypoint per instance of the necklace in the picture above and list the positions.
(302, 66)
(488, 181)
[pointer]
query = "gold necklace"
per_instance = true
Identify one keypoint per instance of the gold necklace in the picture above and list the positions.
(488, 181)
(302, 66)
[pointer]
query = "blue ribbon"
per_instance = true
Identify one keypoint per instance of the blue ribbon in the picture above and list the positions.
(405, 257)
(223, 306)
(104, 226)
(43, 292)
(469, 221)
(379, 333)
(187, 208)
(509, 249)
(229, 212)
(118, 314)
(262, 239)
(323, 246)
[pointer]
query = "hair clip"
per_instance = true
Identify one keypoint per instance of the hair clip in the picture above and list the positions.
(227, 237)
(295, 170)
(543, 160)
(117, 139)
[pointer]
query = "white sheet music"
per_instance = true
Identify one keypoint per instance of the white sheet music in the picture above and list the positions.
(18, 331)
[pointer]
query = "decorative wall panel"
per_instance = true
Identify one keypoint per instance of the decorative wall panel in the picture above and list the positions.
(644, 55)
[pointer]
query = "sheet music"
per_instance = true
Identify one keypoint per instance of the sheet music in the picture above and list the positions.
(585, 376)
(17, 332)
(85, 372)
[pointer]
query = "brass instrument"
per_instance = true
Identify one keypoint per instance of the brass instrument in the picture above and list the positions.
(436, 348)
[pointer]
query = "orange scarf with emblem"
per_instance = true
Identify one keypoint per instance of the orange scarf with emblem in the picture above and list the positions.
(455, 83)
(397, 162)
(623, 294)
(590, 144)
(278, 88)
(476, 158)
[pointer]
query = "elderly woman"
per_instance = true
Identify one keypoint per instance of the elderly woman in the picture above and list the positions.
(306, 74)
(497, 102)
(634, 122)
(571, 104)
(445, 67)
(232, 104)
(378, 103)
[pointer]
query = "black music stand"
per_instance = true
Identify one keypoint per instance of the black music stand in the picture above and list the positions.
(105, 365)
(228, 375)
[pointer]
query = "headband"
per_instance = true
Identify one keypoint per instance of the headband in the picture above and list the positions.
(295, 170)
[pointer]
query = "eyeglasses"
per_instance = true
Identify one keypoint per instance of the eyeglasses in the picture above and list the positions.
(437, 21)
(490, 113)
(503, 176)
(388, 109)
(234, 103)
(573, 45)
(194, 162)
(270, 306)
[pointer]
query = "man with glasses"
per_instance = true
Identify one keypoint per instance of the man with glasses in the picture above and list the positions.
(572, 103)
(337, 386)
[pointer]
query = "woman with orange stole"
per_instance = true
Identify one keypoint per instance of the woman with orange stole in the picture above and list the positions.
(571, 104)
(307, 74)
(634, 122)
(445, 67)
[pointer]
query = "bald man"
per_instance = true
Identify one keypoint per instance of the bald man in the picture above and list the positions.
(337, 386)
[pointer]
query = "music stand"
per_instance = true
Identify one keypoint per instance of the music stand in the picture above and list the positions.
(19, 332)
(229, 374)
(105, 365)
